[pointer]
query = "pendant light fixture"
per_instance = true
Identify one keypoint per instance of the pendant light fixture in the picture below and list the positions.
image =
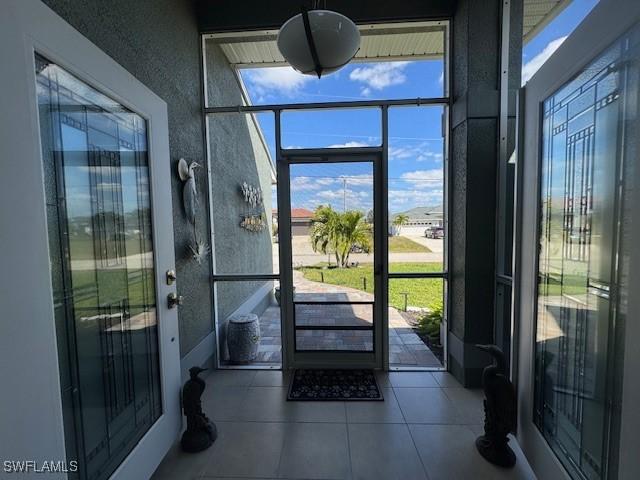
(317, 42)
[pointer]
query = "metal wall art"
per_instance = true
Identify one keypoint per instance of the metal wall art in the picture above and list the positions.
(199, 251)
(253, 223)
(198, 248)
(254, 220)
(252, 195)
(189, 191)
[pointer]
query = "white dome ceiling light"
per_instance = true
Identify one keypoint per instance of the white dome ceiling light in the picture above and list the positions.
(317, 42)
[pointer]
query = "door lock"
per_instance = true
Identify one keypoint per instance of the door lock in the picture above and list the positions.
(171, 277)
(173, 300)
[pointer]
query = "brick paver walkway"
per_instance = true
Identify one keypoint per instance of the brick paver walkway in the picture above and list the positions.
(406, 348)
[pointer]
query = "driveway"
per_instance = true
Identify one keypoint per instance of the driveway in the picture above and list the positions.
(304, 256)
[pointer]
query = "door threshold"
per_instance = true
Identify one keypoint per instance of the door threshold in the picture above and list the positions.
(416, 369)
(249, 367)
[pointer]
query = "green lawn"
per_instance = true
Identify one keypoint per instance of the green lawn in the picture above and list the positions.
(421, 292)
(404, 245)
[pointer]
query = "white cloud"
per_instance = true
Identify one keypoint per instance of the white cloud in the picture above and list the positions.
(355, 199)
(277, 79)
(366, 91)
(532, 66)
(380, 75)
(424, 178)
(350, 144)
(404, 199)
(441, 79)
(401, 152)
(364, 179)
(418, 153)
(304, 184)
(333, 194)
(301, 183)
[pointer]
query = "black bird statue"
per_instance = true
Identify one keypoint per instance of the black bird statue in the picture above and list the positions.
(499, 410)
(200, 432)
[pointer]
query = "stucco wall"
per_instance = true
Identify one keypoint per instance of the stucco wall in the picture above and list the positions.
(475, 131)
(237, 155)
(158, 42)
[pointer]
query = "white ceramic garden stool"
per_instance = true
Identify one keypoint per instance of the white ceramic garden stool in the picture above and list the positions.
(243, 338)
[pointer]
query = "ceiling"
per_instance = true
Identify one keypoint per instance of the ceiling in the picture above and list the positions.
(398, 41)
(380, 42)
(538, 13)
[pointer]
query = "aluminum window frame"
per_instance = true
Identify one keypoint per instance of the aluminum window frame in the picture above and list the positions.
(283, 194)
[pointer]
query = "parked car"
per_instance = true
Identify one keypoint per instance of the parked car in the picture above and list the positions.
(434, 232)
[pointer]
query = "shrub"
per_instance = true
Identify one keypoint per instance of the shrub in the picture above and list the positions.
(429, 322)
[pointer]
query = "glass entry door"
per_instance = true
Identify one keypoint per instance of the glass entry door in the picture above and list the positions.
(332, 309)
(109, 249)
(577, 237)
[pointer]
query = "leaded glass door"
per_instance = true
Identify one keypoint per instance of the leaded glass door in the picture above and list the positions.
(576, 239)
(99, 194)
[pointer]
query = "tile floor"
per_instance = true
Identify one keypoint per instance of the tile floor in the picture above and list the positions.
(425, 429)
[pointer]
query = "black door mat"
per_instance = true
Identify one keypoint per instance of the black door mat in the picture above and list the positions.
(334, 385)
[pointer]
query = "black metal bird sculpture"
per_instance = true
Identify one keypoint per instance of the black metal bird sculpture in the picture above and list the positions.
(499, 410)
(200, 432)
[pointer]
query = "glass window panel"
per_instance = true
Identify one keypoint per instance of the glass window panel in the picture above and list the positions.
(261, 298)
(365, 78)
(353, 283)
(578, 253)
(328, 128)
(100, 237)
(416, 189)
(332, 222)
(374, 80)
(416, 312)
(243, 193)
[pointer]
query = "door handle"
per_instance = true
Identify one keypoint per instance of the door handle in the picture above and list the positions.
(173, 300)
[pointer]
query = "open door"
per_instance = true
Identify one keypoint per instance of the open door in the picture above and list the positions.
(576, 244)
(90, 253)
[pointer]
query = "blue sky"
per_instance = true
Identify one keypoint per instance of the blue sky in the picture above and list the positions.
(542, 46)
(415, 133)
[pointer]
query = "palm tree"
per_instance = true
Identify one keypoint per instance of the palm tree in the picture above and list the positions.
(400, 220)
(355, 232)
(338, 233)
(325, 227)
